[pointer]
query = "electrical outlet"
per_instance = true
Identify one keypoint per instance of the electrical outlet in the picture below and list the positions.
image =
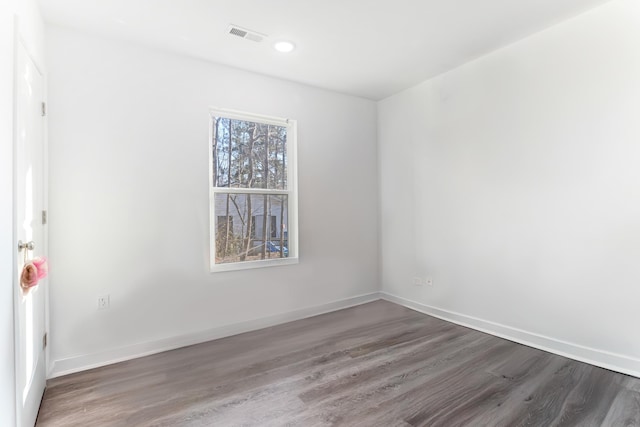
(429, 281)
(417, 281)
(103, 302)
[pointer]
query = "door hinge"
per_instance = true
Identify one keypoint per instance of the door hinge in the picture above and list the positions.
(44, 109)
(44, 341)
(44, 217)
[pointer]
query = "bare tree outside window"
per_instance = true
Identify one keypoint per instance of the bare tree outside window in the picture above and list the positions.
(251, 196)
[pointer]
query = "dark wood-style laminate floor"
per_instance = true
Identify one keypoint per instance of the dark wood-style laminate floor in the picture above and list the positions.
(378, 364)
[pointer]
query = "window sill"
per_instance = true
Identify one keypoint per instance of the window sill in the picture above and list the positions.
(248, 265)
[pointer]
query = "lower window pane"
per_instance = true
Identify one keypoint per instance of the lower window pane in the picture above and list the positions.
(250, 227)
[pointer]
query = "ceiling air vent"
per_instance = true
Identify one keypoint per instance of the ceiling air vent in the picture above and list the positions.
(246, 34)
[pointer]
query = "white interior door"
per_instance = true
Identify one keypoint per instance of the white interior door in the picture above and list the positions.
(29, 167)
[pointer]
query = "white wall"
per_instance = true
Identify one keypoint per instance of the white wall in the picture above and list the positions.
(128, 138)
(514, 182)
(30, 31)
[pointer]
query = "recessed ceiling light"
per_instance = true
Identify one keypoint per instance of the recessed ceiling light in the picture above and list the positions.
(284, 46)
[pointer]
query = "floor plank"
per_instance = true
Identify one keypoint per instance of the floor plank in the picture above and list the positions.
(377, 364)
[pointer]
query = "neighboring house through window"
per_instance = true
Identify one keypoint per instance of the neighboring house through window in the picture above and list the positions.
(253, 195)
(258, 224)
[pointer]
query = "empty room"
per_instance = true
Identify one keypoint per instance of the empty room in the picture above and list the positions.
(340, 213)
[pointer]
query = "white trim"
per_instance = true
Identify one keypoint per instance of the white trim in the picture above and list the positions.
(45, 227)
(264, 191)
(291, 192)
(292, 183)
(17, 393)
(94, 360)
(602, 358)
(241, 115)
(605, 359)
(247, 265)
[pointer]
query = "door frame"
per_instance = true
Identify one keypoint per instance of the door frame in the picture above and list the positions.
(19, 41)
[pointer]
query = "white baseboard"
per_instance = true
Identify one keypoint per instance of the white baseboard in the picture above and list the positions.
(605, 359)
(94, 360)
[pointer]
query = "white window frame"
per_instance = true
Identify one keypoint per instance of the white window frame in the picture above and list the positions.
(291, 192)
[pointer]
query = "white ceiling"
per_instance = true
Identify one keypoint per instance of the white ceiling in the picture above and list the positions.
(367, 48)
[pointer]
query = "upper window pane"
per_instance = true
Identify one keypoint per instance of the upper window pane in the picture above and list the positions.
(248, 154)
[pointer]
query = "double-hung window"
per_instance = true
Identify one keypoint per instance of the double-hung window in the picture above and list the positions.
(252, 191)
